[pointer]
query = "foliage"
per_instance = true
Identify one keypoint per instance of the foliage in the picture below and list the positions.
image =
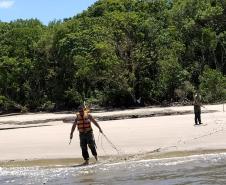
(213, 85)
(114, 54)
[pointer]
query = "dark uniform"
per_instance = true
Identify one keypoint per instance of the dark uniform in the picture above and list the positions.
(86, 135)
(83, 123)
(87, 139)
(197, 108)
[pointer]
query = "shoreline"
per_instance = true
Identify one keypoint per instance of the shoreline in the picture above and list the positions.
(74, 162)
(24, 140)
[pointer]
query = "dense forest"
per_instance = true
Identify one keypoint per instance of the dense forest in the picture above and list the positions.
(115, 53)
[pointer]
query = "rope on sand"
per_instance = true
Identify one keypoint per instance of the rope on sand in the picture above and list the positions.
(102, 145)
(111, 144)
(219, 122)
(216, 120)
(111, 159)
(214, 131)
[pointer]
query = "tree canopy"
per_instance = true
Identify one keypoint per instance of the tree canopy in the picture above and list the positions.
(115, 53)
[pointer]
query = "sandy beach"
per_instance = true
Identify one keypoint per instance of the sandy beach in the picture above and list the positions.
(44, 136)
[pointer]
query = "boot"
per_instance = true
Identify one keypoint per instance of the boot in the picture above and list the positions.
(95, 156)
(86, 162)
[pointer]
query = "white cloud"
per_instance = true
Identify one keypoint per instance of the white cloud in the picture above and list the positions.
(6, 4)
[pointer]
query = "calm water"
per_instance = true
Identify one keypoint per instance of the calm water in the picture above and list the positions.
(197, 169)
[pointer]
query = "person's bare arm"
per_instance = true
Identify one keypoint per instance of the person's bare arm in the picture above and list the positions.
(95, 123)
(73, 128)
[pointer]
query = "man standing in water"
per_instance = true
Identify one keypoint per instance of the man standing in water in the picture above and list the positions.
(197, 108)
(83, 122)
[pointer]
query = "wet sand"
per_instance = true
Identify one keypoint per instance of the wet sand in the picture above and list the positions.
(43, 139)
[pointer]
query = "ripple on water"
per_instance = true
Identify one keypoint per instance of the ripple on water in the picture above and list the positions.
(196, 169)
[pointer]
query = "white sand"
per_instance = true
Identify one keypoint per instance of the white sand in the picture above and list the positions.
(170, 133)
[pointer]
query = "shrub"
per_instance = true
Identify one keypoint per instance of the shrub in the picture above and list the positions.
(213, 85)
(7, 105)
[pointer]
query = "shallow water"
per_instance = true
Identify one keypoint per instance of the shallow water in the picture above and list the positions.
(197, 169)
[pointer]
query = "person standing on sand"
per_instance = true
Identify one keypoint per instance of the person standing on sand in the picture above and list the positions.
(197, 108)
(83, 122)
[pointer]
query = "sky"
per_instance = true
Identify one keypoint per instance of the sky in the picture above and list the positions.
(43, 10)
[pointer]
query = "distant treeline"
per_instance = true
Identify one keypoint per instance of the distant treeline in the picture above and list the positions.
(117, 53)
